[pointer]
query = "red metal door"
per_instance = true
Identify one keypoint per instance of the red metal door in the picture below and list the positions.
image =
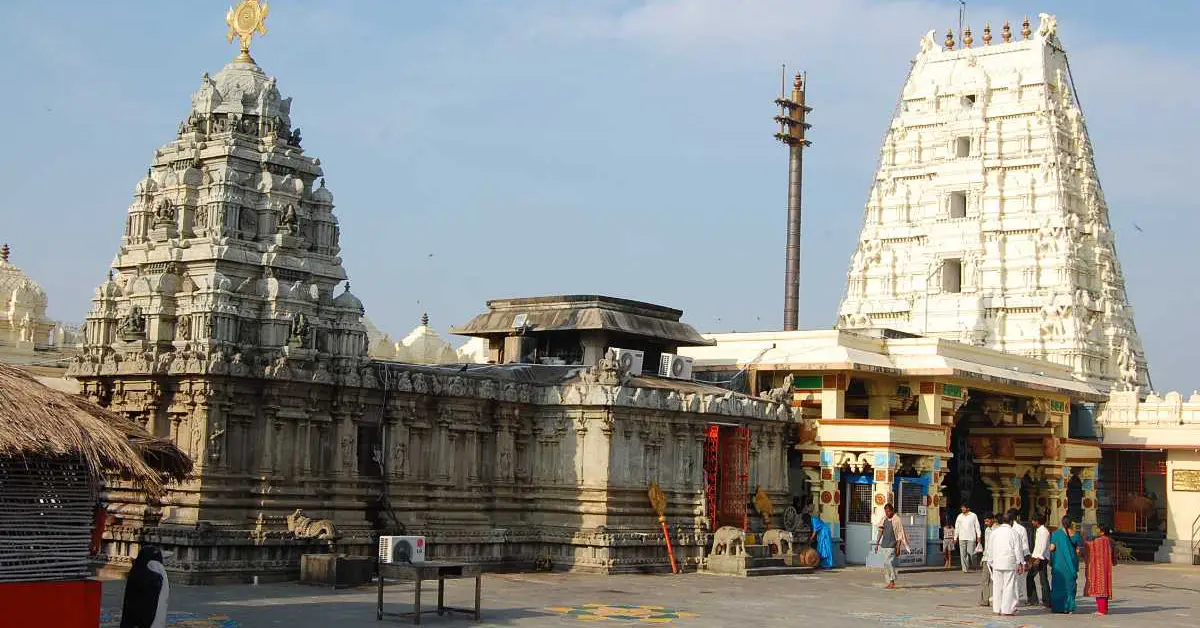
(712, 473)
(727, 475)
(735, 476)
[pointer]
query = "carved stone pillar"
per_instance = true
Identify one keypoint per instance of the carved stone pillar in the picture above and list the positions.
(1052, 495)
(699, 437)
(679, 460)
(278, 436)
(884, 471)
(446, 459)
(267, 462)
(306, 449)
(830, 497)
(505, 456)
(397, 453)
(472, 454)
(198, 432)
(580, 457)
(343, 445)
(1087, 478)
(176, 419)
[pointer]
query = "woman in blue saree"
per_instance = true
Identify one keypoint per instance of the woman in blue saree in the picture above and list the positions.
(822, 541)
(1064, 567)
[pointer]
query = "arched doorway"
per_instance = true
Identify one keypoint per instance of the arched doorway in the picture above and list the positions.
(964, 483)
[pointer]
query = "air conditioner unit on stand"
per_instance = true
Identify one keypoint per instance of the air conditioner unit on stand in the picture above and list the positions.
(401, 549)
(629, 359)
(675, 366)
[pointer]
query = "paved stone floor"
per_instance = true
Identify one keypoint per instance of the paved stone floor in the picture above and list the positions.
(1146, 595)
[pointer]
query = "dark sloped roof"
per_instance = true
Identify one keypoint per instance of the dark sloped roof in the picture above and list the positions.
(585, 313)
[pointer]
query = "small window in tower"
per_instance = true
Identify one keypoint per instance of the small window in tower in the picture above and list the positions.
(962, 147)
(968, 101)
(958, 204)
(952, 275)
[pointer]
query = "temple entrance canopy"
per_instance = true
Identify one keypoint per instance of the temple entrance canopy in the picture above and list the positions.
(921, 423)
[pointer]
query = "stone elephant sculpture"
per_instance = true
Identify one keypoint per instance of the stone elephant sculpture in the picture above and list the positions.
(778, 541)
(729, 541)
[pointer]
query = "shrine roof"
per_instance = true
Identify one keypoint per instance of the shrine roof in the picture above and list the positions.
(583, 313)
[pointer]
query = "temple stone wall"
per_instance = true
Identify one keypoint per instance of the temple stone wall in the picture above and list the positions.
(489, 471)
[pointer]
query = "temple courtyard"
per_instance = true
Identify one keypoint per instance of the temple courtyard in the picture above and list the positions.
(1145, 595)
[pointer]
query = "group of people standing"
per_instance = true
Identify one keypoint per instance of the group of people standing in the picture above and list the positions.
(1027, 564)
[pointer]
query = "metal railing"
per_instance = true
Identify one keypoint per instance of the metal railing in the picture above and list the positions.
(1196, 540)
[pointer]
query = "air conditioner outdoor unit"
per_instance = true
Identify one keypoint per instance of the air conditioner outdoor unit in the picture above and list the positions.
(675, 366)
(401, 549)
(629, 359)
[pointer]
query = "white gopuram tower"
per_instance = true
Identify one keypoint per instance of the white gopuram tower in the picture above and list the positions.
(986, 223)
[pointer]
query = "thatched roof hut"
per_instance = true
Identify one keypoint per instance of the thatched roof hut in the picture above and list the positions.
(55, 450)
(38, 421)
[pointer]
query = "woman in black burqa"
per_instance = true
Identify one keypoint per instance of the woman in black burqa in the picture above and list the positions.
(146, 591)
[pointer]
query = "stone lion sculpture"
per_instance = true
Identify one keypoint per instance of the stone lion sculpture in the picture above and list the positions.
(305, 527)
(778, 541)
(729, 541)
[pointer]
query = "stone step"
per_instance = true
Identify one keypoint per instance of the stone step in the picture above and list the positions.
(758, 551)
(783, 570)
(770, 561)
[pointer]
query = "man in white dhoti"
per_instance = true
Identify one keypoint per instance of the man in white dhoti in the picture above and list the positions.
(1006, 553)
(1019, 529)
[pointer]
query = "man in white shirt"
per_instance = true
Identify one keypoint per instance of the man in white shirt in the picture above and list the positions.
(1019, 529)
(1006, 553)
(966, 532)
(985, 593)
(1039, 568)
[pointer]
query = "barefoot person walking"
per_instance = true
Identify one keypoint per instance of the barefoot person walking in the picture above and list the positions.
(1100, 558)
(1006, 552)
(888, 543)
(985, 593)
(1064, 567)
(966, 533)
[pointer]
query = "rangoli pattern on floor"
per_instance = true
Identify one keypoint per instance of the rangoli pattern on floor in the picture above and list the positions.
(900, 620)
(112, 619)
(630, 613)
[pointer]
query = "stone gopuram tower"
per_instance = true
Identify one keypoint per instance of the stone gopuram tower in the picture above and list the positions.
(986, 223)
(223, 294)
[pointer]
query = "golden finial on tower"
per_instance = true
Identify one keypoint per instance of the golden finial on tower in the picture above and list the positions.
(967, 39)
(1025, 30)
(247, 18)
(949, 39)
(987, 33)
(1006, 32)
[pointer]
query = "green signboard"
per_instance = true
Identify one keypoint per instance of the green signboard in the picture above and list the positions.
(1057, 406)
(807, 382)
(950, 390)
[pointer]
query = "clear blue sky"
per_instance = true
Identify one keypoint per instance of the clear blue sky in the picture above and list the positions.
(484, 149)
